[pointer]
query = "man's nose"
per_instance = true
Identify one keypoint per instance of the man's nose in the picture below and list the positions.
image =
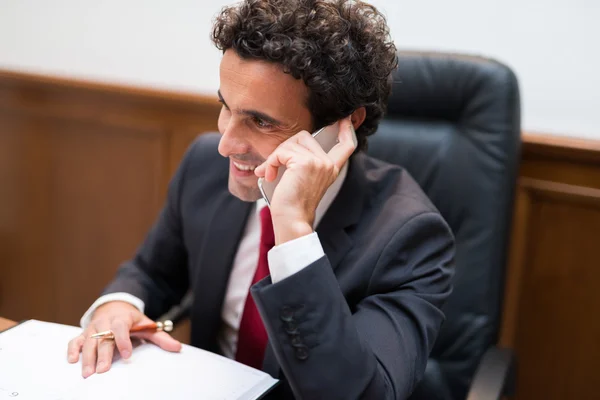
(232, 140)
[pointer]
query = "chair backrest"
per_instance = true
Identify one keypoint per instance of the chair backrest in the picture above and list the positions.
(453, 122)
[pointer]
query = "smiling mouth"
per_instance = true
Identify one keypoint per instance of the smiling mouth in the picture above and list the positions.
(243, 167)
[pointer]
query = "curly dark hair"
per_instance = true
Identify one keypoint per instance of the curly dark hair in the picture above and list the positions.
(341, 49)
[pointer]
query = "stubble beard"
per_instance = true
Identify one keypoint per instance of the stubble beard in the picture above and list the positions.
(242, 191)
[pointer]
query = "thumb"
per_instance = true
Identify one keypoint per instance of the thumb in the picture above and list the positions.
(161, 339)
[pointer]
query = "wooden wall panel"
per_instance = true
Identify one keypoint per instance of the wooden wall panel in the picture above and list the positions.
(84, 197)
(552, 282)
(575, 162)
(109, 189)
(83, 173)
(557, 331)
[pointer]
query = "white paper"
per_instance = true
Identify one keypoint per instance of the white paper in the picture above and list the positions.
(33, 365)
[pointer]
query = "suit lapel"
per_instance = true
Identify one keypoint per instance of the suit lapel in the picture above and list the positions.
(224, 233)
(343, 213)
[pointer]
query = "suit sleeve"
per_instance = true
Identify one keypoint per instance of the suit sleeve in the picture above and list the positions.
(157, 274)
(378, 350)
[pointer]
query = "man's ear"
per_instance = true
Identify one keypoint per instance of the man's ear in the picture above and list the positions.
(358, 117)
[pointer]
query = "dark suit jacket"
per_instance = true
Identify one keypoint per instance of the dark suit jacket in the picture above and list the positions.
(357, 323)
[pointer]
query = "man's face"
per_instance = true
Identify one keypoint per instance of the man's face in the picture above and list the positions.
(262, 107)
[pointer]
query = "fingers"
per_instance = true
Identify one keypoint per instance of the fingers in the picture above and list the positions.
(122, 339)
(338, 155)
(74, 348)
(120, 329)
(280, 157)
(270, 167)
(89, 355)
(97, 354)
(287, 152)
(342, 151)
(307, 140)
(289, 155)
(161, 339)
(106, 350)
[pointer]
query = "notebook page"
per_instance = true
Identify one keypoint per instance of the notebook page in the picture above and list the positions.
(33, 365)
(152, 373)
(33, 361)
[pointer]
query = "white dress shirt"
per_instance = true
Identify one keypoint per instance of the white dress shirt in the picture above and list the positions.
(284, 260)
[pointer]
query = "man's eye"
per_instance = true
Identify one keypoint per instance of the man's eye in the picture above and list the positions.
(262, 124)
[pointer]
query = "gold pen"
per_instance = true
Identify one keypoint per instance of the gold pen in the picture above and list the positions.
(166, 326)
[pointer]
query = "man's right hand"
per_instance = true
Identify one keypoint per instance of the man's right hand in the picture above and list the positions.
(119, 317)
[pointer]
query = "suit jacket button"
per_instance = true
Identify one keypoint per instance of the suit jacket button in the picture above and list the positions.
(296, 341)
(287, 314)
(301, 352)
(291, 327)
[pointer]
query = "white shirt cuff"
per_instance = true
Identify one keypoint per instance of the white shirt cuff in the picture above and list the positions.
(120, 296)
(293, 256)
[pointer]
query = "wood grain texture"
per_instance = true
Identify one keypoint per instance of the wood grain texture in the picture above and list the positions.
(561, 159)
(563, 148)
(516, 265)
(83, 171)
(551, 288)
(557, 335)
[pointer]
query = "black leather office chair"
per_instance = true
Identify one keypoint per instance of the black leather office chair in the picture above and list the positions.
(453, 122)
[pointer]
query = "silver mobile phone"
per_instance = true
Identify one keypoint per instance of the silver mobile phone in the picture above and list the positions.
(327, 137)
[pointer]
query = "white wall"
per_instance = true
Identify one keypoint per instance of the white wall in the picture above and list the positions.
(553, 45)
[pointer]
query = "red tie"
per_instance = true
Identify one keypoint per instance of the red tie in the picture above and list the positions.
(252, 336)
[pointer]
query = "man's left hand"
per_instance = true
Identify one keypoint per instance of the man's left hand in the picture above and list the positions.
(309, 173)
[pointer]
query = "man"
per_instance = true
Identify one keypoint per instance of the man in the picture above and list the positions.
(345, 300)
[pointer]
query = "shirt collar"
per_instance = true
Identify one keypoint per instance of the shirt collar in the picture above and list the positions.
(326, 201)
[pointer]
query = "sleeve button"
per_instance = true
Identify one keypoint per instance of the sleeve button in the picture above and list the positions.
(287, 314)
(291, 327)
(302, 352)
(296, 341)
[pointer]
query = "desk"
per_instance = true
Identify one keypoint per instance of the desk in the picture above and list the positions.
(6, 323)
